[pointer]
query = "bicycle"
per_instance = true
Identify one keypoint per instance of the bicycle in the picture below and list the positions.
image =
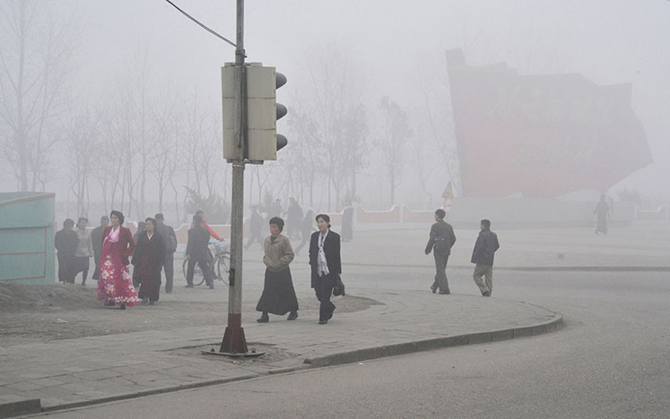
(220, 264)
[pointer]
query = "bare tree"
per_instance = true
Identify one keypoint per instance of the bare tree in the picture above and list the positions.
(165, 163)
(335, 88)
(35, 54)
(82, 142)
(396, 133)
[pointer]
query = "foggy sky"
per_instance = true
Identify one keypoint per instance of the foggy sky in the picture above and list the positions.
(395, 44)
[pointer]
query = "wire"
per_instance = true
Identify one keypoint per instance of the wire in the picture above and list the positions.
(200, 24)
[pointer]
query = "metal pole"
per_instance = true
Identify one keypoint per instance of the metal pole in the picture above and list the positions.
(234, 341)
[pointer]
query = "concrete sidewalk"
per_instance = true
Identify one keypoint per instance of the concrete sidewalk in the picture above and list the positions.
(77, 372)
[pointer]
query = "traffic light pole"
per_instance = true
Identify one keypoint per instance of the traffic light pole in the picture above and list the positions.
(234, 342)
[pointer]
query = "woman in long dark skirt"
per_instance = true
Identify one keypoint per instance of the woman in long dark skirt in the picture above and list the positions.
(148, 261)
(278, 293)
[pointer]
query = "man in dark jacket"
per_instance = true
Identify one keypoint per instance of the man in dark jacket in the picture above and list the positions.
(170, 239)
(442, 238)
(66, 242)
(482, 255)
(96, 241)
(255, 227)
(197, 250)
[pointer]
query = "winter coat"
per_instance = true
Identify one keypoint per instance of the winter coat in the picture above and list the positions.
(441, 229)
(485, 247)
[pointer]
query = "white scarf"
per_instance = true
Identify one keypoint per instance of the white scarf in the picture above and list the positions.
(322, 263)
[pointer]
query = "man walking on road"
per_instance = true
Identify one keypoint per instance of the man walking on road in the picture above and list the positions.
(482, 255)
(170, 239)
(442, 238)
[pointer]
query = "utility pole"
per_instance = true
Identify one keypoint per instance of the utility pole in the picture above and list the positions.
(234, 341)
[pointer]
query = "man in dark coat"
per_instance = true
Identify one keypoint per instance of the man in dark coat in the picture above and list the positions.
(197, 251)
(66, 242)
(170, 239)
(148, 260)
(482, 256)
(326, 264)
(255, 228)
(441, 239)
(96, 241)
(293, 219)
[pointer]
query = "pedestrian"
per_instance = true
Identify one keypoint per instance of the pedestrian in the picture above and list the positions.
(482, 256)
(440, 242)
(115, 285)
(148, 260)
(212, 233)
(255, 228)
(197, 251)
(306, 228)
(66, 242)
(140, 229)
(293, 219)
(170, 239)
(96, 240)
(278, 293)
(84, 250)
(325, 260)
(348, 223)
(602, 211)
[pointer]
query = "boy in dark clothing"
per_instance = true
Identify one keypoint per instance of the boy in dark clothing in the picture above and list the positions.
(482, 256)
(197, 251)
(66, 242)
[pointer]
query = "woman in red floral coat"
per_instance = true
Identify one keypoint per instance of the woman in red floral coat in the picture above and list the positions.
(115, 285)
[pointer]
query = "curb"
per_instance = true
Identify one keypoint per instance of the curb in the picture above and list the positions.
(20, 407)
(33, 406)
(537, 268)
(430, 344)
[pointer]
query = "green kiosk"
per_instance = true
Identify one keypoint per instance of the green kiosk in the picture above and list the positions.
(27, 254)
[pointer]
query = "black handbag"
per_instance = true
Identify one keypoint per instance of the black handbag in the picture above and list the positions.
(338, 288)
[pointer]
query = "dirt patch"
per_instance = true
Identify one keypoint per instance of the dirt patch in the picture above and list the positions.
(40, 313)
(45, 298)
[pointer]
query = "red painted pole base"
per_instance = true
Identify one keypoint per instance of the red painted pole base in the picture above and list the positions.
(234, 341)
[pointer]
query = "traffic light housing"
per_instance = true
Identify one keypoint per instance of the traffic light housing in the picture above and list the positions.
(262, 113)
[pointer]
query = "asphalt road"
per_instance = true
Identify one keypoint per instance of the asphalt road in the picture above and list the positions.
(612, 360)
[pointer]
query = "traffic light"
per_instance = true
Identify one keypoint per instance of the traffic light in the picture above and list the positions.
(262, 113)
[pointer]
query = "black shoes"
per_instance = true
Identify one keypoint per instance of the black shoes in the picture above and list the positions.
(434, 287)
(445, 292)
(486, 294)
(265, 318)
(189, 286)
(324, 321)
(292, 316)
(211, 286)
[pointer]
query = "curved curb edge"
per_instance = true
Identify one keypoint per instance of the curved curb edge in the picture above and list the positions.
(552, 325)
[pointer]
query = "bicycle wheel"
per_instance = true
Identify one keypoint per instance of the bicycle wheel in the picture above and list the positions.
(198, 277)
(223, 267)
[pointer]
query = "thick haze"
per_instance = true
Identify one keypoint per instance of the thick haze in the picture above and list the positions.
(390, 49)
